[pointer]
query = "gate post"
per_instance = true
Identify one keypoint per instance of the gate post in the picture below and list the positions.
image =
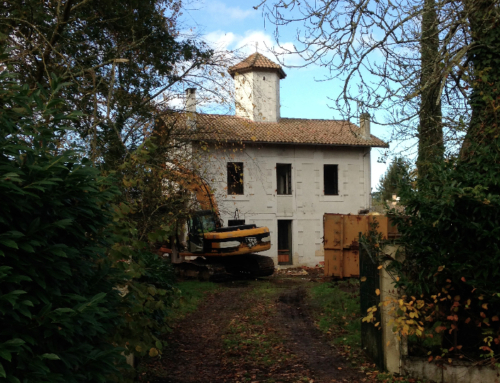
(394, 349)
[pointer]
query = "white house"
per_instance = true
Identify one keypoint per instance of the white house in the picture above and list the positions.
(282, 173)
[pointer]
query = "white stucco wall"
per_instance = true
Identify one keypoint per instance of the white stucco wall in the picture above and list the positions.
(261, 205)
(257, 95)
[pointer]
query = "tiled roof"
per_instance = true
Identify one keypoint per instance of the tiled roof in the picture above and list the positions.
(256, 61)
(225, 128)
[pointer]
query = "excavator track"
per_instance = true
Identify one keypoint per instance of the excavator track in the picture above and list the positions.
(221, 269)
(249, 265)
(202, 270)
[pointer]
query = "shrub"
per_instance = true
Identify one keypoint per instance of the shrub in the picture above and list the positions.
(450, 231)
(58, 303)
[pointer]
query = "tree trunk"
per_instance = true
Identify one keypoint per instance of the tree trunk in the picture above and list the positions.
(484, 24)
(430, 147)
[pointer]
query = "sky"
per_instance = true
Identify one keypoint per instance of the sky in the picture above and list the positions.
(235, 24)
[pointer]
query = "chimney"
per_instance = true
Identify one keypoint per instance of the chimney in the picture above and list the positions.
(364, 124)
(191, 107)
(191, 100)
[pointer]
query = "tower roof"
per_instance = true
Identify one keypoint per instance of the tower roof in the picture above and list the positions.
(256, 61)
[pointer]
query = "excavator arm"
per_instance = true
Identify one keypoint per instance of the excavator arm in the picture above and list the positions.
(194, 183)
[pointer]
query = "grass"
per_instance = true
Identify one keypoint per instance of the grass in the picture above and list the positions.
(340, 314)
(192, 294)
(340, 317)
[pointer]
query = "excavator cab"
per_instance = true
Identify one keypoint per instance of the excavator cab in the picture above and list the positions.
(201, 222)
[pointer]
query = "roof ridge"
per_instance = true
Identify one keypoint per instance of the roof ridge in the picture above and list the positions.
(255, 57)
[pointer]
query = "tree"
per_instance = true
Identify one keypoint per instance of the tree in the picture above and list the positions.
(118, 58)
(449, 228)
(430, 129)
(389, 182)
(407, 58)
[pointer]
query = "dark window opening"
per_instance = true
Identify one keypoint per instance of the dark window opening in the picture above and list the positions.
(284, 179)
(331, 179)
(285, 242)
(235, 178)
(235, 222)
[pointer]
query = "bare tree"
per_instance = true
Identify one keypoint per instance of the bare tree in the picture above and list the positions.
(408, 58)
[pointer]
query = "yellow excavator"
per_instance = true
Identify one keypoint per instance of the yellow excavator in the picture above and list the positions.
(220, 251)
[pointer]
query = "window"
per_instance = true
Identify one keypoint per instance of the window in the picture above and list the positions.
(331, 179)
(284, 179)
(235, 178)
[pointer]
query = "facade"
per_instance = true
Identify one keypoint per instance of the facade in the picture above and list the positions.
(279, 172)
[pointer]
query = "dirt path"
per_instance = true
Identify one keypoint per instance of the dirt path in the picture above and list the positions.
(195, 352)
(305, 340)
(243, 334)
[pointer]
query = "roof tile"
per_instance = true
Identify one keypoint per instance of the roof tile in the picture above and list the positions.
(256, 61)
(226, 128)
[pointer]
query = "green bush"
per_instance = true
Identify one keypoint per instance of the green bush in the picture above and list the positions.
(450, 230)
(58, 304)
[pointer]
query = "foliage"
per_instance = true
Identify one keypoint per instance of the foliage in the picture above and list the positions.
(148, 290)
(450, 231)
(388, 184)
(449, 279)
(118, 56)
(58, 301)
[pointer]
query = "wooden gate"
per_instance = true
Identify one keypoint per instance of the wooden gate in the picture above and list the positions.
(341, 241)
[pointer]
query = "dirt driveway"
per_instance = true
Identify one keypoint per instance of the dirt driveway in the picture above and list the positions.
(259, 331)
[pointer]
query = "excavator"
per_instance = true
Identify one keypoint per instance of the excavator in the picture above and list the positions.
(219, 251)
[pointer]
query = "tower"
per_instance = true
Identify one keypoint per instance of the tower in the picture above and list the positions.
(257, 88)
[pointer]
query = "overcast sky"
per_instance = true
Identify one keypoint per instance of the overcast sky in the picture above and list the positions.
(234, 24)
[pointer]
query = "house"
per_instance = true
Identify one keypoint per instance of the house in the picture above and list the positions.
(283, 173)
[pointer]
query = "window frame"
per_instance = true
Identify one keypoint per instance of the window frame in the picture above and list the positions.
(288, 172)
(232, 184)
(325, 177)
